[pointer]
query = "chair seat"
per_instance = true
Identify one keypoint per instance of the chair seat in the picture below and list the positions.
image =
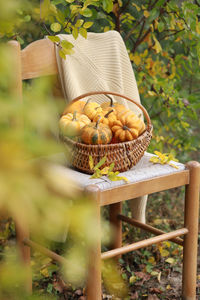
(143, 170)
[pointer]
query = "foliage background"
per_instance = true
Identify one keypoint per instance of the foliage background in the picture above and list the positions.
(163, 41)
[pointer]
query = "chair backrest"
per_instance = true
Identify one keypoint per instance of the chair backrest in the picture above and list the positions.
(37, 59)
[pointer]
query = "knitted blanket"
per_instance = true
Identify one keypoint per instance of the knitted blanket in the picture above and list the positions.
(100, 62)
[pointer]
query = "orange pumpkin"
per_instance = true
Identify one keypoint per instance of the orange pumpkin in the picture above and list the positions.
(107, 118)
(126, 128)
(96, 133)
(91, 109)
(74, 106)
(117, 107)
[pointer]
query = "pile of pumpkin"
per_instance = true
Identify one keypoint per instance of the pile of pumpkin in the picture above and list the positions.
(92, 123)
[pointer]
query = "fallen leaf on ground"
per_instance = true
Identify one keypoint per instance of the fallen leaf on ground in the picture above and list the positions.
(156, 290)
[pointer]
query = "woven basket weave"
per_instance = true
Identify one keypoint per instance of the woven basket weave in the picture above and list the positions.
(125, 155)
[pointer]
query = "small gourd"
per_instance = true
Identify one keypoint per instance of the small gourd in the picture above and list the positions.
(126, 128)
(91, 109)
(107, 118)
(74, 106)
(96, 133)
(71, 124)
(125, 113)
(117, 107)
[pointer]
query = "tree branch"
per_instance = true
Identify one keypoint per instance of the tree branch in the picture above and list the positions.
(167, 35)
(138, 42)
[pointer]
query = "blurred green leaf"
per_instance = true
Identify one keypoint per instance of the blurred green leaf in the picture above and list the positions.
(54, 39)
(55, 27)
(83, 32)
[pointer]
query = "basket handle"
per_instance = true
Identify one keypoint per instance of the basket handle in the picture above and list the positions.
(116, 94)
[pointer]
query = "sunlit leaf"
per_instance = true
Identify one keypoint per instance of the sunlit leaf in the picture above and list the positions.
(91, 162)
(79, 23)
(75, 33)
(100, 163)
(136, 6)
(83, 32)
(86, 12)
(66, 44)
(54, 38)
(146, 14)
(88, 24)
(170, 260)
(55, 27)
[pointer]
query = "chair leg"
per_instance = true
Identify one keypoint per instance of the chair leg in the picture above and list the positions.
(22, 232)
(191, 239)
(94, 271)
(115, 210)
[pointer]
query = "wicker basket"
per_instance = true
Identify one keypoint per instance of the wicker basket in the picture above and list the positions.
(125, 155)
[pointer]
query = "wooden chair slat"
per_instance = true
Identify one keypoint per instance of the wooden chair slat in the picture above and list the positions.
(38, 59)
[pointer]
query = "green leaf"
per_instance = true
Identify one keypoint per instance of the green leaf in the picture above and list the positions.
(111, 166)
(67, 45)
(86, 12)
(55, 27)
(54, 39)
(69, 1)
(79, 23)
(68, 51)
(20, 40)
(102, 161)
(83, 32)
(45, 5)
(88, 24)
(27, 18)
(161, 26)
(97, 174)
(62, 54)
(107, 5)
(75, 33)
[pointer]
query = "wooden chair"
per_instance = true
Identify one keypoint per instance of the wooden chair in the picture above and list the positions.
(38, 59)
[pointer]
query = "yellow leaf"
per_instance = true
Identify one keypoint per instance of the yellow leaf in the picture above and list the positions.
(104, 171)
(151, 93)
(164, 252)
(168, 287)
(167, 244)
(157, 47)
(44, 272)
(154, 273)
(136, 59)
(157, 221)
(159, 276)
(151, 260)
(146, 14)
(145, 53)
(197, 26)
(170, 260)
(132, 279)
(106, 28)
(136, 6)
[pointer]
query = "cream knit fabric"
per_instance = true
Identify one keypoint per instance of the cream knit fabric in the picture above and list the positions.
(100, 62)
